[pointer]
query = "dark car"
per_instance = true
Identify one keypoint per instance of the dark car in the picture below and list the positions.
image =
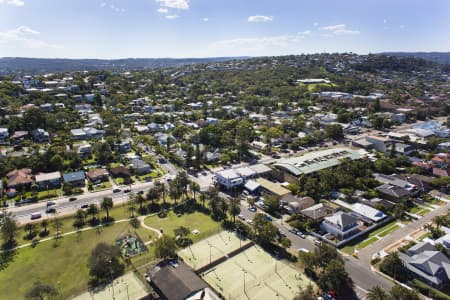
(85, 205)
(72, 199)
(126, 191)
(50, 210)
(50, 203)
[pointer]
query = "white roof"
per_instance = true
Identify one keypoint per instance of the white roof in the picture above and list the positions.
(363, 210)
(251, 185)
(228, 173)
(47, 176)
(245, 171)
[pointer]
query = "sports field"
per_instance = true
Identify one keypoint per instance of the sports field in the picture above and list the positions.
(212, 248)
(125, 287)
(254, 274)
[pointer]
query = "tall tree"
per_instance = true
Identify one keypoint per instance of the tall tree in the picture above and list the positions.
(165, 247)
(30, 229)
(195, 188)
(44, 225)
(377, 293)
(92, 211)
(393, 266)
(41, 291)
(234, 208)
(399, 292)
(106, 205)
(104, 264)
(8, 231)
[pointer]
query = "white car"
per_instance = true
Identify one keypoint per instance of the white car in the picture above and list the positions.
(249, 221)
(303, 250)
(241, 217)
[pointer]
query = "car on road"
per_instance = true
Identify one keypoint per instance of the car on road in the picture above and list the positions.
(72, 199)
(204, 173)
(252, 209)
(293, 230)
(116, 190)
(50, 203)
(50, 210)
(85, 205)
(35, 216)
(302, 235)
(303, 250)
(126, 191)
(249, 221)
(317, 242)
(241, 217)
(269, 218)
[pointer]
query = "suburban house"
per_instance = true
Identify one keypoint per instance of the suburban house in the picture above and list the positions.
(363, 211)
(427, 264)
(86, 133)
(392, 192)
(4, 134)
(140, 166)
(48, 180)
(294, 204)
(124, 147)
(84, 150)
(19, 136)
(318, 211)
(120, 171)
(77, 179)
(18, 178)
(341, 225)
(97, 175)
(174, 280)
(40, 136)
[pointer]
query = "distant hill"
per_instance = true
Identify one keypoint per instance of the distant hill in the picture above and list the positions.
(439, 57)
(51, 65)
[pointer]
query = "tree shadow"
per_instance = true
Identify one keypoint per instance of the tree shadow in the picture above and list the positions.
(8, 254)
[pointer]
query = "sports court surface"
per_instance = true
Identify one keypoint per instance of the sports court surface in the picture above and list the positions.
(255, 274)
(212, 248)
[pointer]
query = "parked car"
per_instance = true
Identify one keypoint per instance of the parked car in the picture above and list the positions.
(72, 199)
(50, 203)
(302, 235)
(126, 191)
(303, 250)
(116, 190)
(269, 218)
(249, 221)
(252, 209)
(293, 230)
(317, 242)
(35, 216)
(241, 217)
(85, 205)
(50, 210)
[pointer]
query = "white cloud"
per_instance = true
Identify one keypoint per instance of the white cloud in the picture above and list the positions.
(178, 4)
(205, 19)
(24, 37)
(339, 29)
(112, 7)
(259, 43)
(171, 17)
(162, 10)
(260, 19)
(402, 26)
(103, 4)
(315, 24)
(385, 21)
(13, 2)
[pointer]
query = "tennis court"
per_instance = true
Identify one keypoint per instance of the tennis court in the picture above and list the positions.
(212, 248)
(254, 274)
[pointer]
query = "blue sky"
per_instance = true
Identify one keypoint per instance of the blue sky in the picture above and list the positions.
(200, 28)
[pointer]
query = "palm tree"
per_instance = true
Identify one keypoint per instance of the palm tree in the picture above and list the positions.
(203, 197)
(440, 221)
(106, 205)
(195, 188)
(29, 227)
(44, 225)
(234, 208)
(174, 191)
(377, 293)
(140, 200)
(92, 211)
(153, 194)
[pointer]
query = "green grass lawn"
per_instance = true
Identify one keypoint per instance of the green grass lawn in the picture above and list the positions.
(196, 220)
(66, 263)
(388, 231)
(423, 212)
(118, 213)
(367, 242)
(102, 186)
(383, 228)
(415, 209)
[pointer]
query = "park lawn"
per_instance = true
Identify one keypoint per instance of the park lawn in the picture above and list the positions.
(118, 213)
(196, 220)
(388, 231)
(66, 263)
(423, 212)
(383, 228)
(367, 242)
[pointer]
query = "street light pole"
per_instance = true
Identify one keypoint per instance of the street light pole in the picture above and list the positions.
(112, 279)
(126, 285)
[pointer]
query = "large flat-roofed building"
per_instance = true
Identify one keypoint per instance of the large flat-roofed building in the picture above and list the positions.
(289, 169)
(272, 187)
